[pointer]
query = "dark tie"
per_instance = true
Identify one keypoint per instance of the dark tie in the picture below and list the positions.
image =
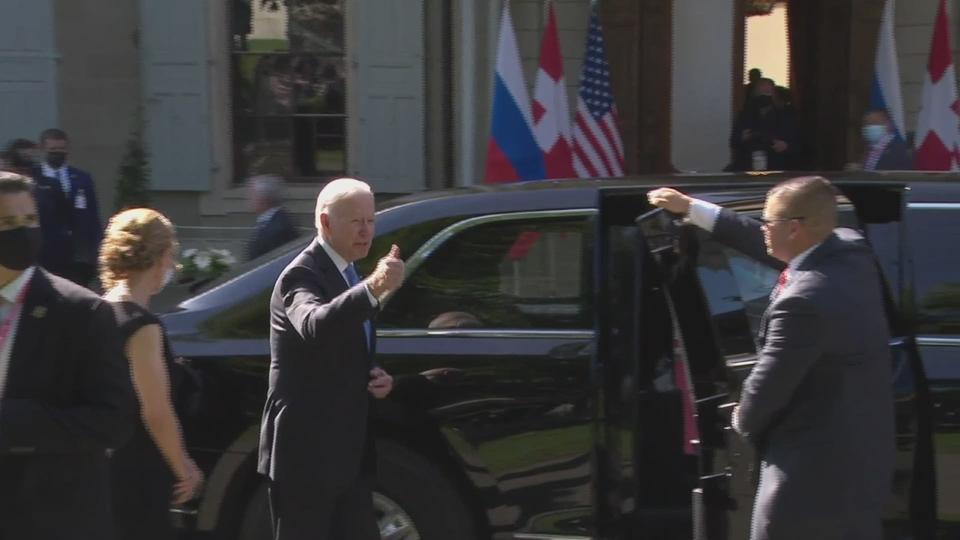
(352, 279)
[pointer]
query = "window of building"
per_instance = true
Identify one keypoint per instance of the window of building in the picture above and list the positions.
(524, 274)
(289, 88)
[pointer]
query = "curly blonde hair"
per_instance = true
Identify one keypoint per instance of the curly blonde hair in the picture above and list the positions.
(134, 241)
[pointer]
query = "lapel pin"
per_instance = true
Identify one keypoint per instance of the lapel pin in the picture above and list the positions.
(39, 312)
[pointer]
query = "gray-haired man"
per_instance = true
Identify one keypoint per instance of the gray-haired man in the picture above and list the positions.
(274, 227)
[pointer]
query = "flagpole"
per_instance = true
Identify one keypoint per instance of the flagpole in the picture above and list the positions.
(468, 98)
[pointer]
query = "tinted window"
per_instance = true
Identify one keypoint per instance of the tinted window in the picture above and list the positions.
(523, 274)
(250, 318)
(730, 281)
(936, 269)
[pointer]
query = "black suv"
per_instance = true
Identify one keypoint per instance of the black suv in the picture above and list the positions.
(564, 357)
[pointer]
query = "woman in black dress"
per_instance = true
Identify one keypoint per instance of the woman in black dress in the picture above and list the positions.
(153, 470)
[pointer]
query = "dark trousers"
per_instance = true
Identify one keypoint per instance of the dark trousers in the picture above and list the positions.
(313, 511)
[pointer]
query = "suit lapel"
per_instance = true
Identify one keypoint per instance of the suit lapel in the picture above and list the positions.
(38, 306)
(334, 283)
(331, 279)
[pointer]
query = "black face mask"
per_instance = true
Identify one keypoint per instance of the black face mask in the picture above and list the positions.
(21, 247)
(56, 159)
(763, 101)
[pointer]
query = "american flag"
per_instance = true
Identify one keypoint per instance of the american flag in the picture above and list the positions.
(597, 147)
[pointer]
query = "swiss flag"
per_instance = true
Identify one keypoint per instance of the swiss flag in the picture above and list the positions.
(938, 126)
(551, 108)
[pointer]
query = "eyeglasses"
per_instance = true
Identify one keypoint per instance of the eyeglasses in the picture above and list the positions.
(764, 222)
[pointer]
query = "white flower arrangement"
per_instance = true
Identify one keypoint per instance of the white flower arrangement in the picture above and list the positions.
(205, 263)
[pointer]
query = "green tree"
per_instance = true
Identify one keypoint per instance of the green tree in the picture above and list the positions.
(133, 184)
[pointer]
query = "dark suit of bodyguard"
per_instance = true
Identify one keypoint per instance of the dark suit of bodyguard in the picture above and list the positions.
(315, 443)
(69, 214)
(65, 390)
(818, 405)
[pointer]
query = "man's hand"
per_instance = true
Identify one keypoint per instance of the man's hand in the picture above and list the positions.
(669, 199)
(388, 275)
(381, 383)
(780, 146)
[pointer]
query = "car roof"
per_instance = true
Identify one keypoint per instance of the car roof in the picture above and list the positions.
(940, 186)
(565, 194)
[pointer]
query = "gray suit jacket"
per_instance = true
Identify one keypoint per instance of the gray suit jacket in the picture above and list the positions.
(818, 405)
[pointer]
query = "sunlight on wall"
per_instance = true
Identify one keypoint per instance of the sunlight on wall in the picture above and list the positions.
(767, 47)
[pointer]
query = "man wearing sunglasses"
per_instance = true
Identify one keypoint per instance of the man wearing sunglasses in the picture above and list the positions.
(818, 404)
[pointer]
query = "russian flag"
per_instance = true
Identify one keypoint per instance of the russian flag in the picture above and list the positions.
(885, 93)
(551, 107)
(512, 151)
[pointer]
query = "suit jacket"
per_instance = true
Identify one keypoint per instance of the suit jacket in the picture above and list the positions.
(819, 402)
(315, 421)
(895, 157)
(278, 230)
(68, 399)
(70, 222)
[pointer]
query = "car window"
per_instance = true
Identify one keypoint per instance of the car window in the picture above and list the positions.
(936, 269)
(737, 286)
(249, 318)
(522, 274)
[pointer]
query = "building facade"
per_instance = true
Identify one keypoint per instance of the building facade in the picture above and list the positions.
(398, 91)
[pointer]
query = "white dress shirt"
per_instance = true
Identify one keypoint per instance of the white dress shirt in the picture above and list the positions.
(62, 174)
(342, 265)
(10, 293)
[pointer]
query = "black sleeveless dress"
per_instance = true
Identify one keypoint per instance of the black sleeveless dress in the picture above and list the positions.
(142, 480)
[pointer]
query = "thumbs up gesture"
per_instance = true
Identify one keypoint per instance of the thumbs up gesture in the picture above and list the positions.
(388, 275)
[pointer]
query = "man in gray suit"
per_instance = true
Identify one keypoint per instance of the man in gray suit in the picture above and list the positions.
(818, 405)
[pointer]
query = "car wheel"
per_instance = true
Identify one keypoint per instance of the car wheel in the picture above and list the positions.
(414, 500)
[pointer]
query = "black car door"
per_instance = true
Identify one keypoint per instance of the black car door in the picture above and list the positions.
(647, 443)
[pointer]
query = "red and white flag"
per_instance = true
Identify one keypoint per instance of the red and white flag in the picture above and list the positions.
(597, 147)
(551, 109)
(938, 126)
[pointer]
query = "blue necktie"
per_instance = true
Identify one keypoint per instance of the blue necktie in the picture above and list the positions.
(352, 279)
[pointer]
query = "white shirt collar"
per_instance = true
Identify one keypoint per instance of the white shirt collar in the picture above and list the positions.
(50, 172)
(12, 290)
(339, 261)
(267, 215)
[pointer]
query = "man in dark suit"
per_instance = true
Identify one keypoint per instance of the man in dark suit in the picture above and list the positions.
(766, 131)
(65, 391)
(818, 405)
(885, 151)
(69, 215)
(315, 440)
(274, 226)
